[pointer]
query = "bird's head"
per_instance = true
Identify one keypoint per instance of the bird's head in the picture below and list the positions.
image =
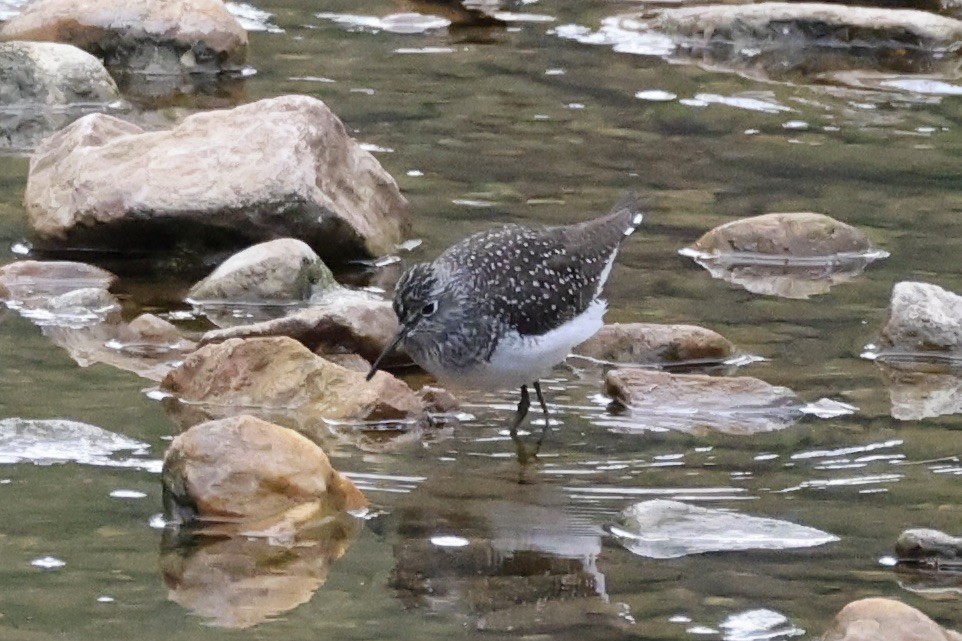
(427, 308)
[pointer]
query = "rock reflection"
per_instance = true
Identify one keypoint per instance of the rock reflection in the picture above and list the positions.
(787, 277)
(916, 395)
(240, 582)
(502, 555)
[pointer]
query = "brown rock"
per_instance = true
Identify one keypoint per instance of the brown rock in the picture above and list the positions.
(246, 470)
(281, 375)
(341, 322)
(880, 619)
(274, 168)
(698, 403)
(438, 400)
(648, 342)
(142, 34)
(784, 234)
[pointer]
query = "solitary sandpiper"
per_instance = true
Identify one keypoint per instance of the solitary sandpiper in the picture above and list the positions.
(502, 307)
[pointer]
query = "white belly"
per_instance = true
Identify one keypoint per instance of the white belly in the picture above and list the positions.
(521, 360)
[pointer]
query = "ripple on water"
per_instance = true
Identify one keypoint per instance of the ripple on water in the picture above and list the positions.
(252, 18)
(758, 625)
(401, 23)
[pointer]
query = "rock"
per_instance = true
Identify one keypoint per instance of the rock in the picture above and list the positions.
(438, 400)
(44, 86)
(274, 168)
(661, 529)
(27, 280)
(793, 255)
(699, 404)
(86, 306)
(52, 74)
(879, 619)
(916, 395)
(344, 321)
(784, 234)
(811, 37)
(648, 342)
(921, 546)
(45, 442)
(923, 318)
(238, 582)
(285, 269)
(252, 473)
(281, 375)
(154, 37)
(148, 346)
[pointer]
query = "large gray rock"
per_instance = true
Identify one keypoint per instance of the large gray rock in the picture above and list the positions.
(923, 318)
(928, 548)
(143, 35)
(52, 74)
(879, 619)
(281, 167)
(285, 269)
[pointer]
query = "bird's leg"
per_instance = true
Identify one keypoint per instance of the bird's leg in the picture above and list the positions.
(523, 406)
(544, 408)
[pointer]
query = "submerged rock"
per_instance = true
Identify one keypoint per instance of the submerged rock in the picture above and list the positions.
(923, 318)
(698, 403)
(284, 270)
(253, 474)
(281, 376)
(793, 255)
(281, 167)
(147, 346)
(928, 548)
(29, 280)
(879, 619)
(649, 342)
(812, 37)
(154, 37)
(238, 582)
(661, 529)
(344, 321)
(44, 442)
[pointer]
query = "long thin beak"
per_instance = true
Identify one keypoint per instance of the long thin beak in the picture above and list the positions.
(402, 332)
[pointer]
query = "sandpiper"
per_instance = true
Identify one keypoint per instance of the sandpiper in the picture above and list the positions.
(502, 307)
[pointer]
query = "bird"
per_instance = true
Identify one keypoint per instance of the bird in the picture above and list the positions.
(500, 308)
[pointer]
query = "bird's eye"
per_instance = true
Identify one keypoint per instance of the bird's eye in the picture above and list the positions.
(430, 308)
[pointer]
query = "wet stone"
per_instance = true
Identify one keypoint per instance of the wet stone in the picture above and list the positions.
(792, 255)
(253, 473)
(281, 376)
(285, 269)
(662, 529)
(699, 404)
(916, 395)
(879, 619)
(156, 37)
(218, 180)
(27, 280)
(923, 318)
(342, 321)
(649, 342)
(921, 546)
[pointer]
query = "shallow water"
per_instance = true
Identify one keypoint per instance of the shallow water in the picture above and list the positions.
(493, 124)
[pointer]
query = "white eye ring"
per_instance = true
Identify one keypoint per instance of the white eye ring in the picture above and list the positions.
(429, 309)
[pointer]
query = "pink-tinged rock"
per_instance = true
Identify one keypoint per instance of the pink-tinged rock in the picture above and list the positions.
(144, 35)
(275, 168)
